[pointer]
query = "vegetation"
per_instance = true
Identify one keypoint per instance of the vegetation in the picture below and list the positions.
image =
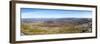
(56, 26)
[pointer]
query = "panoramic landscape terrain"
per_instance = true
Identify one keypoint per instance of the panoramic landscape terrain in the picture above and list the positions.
(34, 26)
(50, 21)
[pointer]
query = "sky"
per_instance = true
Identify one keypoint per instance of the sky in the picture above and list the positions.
(54, 13)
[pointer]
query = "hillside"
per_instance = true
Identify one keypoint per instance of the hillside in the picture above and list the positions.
(35, 26)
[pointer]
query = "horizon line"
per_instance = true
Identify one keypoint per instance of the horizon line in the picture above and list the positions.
(73, 17)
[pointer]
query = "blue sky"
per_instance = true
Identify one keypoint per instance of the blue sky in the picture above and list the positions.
(54, 13)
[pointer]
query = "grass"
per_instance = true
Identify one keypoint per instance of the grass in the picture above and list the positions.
(42, 28)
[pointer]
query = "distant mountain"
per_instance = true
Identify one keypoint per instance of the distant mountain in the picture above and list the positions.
(57, 20)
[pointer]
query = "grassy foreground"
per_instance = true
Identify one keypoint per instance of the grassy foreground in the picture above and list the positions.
(44, 28)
